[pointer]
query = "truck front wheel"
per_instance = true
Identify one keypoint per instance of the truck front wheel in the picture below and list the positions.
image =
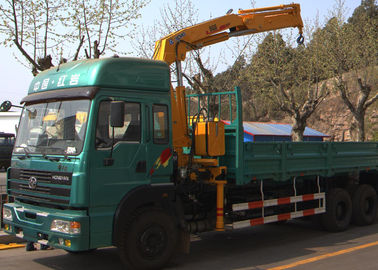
(364, 205)
(338, 210)
(148, 240)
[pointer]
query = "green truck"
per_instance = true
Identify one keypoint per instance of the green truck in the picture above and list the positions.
(94, 166)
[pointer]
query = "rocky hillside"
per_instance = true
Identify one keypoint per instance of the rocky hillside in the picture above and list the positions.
(335, 119)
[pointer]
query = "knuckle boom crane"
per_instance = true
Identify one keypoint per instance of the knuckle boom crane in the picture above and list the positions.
(173, 49)
(174, 46)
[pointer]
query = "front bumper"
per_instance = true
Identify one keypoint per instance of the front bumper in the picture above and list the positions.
(33, 223)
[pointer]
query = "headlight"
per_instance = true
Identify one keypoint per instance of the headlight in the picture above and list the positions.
(64, 226)
(7, 214)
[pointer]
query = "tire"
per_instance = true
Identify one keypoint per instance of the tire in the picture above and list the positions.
(148, 240)
(338, 211)
(30, 246)
(364, 205)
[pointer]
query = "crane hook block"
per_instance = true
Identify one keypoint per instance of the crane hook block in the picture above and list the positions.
(300, 39)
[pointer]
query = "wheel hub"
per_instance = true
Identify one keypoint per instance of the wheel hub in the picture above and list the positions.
(152, 241)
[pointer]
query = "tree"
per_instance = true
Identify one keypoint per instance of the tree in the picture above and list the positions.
(350, 53)
(368, 8)
(291, 78)
(197, 70)
(256, 104)
(42, 30)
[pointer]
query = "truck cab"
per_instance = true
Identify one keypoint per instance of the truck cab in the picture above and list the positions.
(71, 168)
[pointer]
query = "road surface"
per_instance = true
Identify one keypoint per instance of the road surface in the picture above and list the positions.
(295, 245)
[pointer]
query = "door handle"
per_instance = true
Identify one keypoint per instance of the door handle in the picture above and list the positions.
(141, 166)
(148, 129)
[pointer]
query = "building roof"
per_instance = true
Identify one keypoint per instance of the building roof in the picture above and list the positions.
(276, 129)
(10, 114)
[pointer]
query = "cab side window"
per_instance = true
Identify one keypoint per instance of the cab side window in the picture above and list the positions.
(160, 123)
(130, 132)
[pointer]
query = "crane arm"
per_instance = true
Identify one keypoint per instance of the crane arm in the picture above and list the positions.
(174, 46)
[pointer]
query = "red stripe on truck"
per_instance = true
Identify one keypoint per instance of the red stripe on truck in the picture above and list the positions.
(308, 197)
(256, 221)
(285, 216)
(283, 200)
(253, 205)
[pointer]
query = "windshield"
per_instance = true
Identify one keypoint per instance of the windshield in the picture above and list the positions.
(53, 128)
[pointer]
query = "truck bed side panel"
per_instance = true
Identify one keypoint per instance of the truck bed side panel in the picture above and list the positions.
(283, 160)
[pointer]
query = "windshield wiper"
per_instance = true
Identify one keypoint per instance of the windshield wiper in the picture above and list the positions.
(45, 156)
(65, 155)
(50, 158)
(27, 153)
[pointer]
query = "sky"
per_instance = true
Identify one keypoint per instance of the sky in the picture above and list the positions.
(15, 77)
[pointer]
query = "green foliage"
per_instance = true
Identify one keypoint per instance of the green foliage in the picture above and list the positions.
(349, 46)
(367, 9)
(282, 80)
(232, 76)
(375, 136)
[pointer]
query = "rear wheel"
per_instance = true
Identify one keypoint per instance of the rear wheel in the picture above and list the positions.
(339, 211)
(148, 240)
(364, 205)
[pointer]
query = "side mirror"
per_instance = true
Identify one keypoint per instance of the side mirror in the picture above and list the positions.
(117, 114)
(5, 106)
(117, 119)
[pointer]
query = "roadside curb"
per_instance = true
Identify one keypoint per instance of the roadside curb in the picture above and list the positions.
(6, 238)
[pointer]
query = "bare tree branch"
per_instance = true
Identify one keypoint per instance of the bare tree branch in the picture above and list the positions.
(96, 51)
(79, 48)
(24, 53)
(108, 29)
(371, 101)
(341, 86)
(15, 20)
(88, 55)
(189, 80)
(46, 28)
(363, 96)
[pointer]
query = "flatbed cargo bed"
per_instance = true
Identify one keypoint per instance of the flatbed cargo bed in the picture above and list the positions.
(283, 160)
(280, 161)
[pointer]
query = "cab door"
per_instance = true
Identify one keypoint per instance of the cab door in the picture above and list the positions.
(114, 171)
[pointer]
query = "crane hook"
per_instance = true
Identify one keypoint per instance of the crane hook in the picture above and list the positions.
(300, 39)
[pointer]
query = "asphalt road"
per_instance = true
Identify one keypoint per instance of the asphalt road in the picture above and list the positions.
(295, 245)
